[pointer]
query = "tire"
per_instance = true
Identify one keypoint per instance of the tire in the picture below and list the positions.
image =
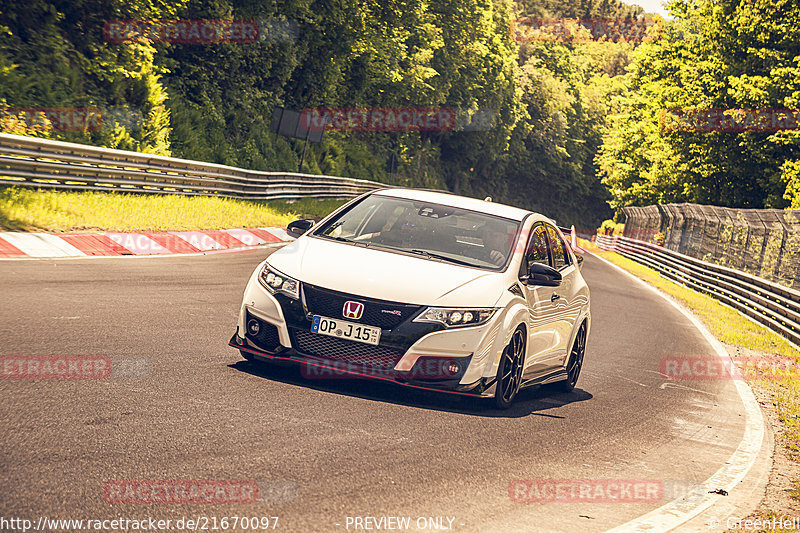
(574, 362)
(509, 371)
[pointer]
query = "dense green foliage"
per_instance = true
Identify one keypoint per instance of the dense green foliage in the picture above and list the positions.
(721, 54)
(214, 102)
(551, 102)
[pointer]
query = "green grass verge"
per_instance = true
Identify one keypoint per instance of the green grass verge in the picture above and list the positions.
(781, 383)
(24, 209)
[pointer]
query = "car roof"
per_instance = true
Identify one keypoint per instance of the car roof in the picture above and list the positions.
(454, 200)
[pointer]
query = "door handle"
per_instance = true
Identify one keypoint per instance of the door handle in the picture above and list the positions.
(554, 297)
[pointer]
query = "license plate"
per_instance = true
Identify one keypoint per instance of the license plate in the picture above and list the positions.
(345, 330)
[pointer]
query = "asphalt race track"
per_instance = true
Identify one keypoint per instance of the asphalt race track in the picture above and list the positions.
(180, 404)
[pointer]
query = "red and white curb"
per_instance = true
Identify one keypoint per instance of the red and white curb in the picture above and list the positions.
(51, 245)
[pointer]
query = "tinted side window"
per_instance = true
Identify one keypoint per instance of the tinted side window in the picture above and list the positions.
(537, 249)
(558, 249)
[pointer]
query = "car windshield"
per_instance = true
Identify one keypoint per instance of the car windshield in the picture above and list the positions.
(433, 231)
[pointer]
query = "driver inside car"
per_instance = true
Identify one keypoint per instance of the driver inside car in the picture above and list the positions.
(494, 241)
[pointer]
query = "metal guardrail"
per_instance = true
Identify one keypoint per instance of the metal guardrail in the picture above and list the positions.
(34, 162)
(775, 306)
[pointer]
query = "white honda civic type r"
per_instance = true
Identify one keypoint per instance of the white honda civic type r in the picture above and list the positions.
(425, 289)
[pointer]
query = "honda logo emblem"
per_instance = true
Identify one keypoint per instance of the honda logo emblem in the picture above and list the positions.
(353, 310)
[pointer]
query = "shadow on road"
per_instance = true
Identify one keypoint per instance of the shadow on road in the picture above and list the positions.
(530, 401)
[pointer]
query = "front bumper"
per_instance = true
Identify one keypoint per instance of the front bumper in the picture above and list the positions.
(318, 368)
(410, 353)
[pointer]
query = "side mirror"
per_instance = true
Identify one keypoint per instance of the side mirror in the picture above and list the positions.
(579, 258)
(543, 275)
(299, 227)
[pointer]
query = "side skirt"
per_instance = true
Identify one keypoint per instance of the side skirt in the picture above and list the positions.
(550, 377)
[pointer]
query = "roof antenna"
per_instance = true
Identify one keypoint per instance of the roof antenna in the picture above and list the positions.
(487, 199)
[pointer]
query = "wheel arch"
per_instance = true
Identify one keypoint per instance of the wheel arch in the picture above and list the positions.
(517, 315)
(584, 317)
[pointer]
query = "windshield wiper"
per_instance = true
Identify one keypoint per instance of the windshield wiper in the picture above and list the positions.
(337, 238)
(434, 255)
(344, 239)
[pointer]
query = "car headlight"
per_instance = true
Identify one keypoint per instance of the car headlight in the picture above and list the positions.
(453, 318)
(274, 282)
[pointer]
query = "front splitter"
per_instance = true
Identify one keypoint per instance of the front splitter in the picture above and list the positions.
(486, 390)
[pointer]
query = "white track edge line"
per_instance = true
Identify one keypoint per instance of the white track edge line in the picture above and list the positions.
(673, 514)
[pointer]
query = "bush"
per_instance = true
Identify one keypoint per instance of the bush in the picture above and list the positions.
(609, 227)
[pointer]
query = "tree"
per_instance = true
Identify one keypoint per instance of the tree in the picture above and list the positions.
(728, 55)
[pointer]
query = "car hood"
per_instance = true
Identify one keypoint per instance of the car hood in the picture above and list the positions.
(374, 273)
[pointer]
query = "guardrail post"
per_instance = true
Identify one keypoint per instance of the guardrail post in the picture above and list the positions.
(781, 249)
(763, 241)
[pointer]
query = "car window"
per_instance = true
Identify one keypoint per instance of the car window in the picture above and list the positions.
(437, 232)
(558, 249)
(536, 251)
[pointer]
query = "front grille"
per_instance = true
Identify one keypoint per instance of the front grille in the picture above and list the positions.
(267, 337)
(386, 315)
(333, 349)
